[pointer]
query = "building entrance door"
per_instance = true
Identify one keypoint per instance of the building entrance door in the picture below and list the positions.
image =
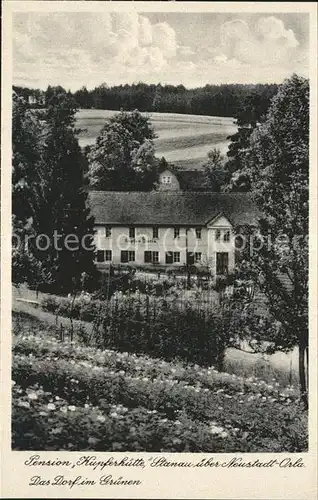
(222, 263)
(190, 258)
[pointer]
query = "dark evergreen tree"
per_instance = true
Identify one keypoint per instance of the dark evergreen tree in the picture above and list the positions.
(48, 196)
(27, 149)
(251, 110)
(64, 208)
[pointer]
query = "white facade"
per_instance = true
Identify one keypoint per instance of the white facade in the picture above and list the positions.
(168, 247)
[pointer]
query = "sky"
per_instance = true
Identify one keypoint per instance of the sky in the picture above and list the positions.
(74, 49)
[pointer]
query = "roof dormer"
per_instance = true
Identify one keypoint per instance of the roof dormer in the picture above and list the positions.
(168, 181)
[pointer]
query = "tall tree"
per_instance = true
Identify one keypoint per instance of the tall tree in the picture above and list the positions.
(27, 150)
(48, 196)
(250, 112)
(215, 173)
(277, 162)
(123, 157)
(63, 206)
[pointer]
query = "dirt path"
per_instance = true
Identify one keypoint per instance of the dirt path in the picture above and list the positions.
(49, 318)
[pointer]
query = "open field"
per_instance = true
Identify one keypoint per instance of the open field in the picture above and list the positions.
(184, 139)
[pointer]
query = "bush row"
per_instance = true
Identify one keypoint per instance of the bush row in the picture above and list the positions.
(144, 324)
(153, 368)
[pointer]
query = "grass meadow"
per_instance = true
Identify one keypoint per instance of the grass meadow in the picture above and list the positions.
(182, 139)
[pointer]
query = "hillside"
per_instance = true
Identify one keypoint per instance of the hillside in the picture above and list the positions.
(182, 139)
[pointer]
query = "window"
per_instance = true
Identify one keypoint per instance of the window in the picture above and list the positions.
(151, 257)
(226, 236)
(172, 257)
(108, 231)
(127, 256)
(217, 235)
(197, 256)
(131, 256)
(155, 232)
(131, 232)
(166, 179)
(176, 256)
(198, 233)
(176, 232)
(103, 255)
(108, 255)
(222, 263)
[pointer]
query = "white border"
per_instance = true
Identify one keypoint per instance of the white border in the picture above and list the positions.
(264, 483)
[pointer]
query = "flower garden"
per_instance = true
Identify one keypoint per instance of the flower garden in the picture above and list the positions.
(68, 396)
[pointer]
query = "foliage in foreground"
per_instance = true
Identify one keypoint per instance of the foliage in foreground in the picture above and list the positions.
(66, 396)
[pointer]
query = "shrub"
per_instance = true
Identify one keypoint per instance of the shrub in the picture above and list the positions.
(161, 328)
(50, 304)
(82, 307)
(145, 323)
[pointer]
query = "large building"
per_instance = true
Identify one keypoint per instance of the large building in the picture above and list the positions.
(169, 228)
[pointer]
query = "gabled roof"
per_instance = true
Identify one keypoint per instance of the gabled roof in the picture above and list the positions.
(217, 217)
(170, 208)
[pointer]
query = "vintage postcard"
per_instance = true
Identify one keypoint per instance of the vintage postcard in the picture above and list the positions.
(159, 250)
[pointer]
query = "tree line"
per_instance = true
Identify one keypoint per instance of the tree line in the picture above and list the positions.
(213, 100)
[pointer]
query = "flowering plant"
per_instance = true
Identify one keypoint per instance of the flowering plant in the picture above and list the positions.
(68, 396)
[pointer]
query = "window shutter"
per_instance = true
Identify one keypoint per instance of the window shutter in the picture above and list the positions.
(100, 256)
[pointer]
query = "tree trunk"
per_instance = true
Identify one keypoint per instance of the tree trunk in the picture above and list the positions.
(302, 375)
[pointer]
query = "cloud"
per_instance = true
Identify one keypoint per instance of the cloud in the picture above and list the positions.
(145, 31)
(88, 48)
(164, 37)
(221, 58)
(186, 51)
(186, 66)
(273, 29)
(93, 43)
(268, 43)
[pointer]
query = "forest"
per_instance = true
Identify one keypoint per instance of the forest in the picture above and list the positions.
(213, 100)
